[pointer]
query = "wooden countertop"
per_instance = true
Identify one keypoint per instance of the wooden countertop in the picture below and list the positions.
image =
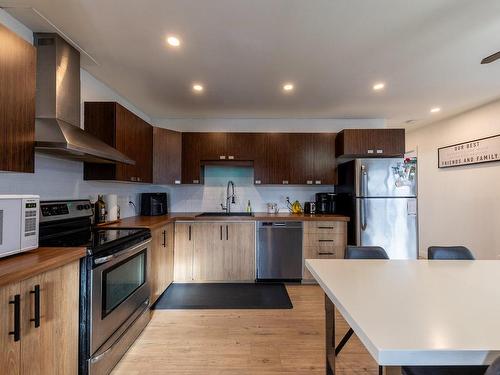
(157, 221)
(25, 265)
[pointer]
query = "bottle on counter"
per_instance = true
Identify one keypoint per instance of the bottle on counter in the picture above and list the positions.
(100, 210)
(249, 207)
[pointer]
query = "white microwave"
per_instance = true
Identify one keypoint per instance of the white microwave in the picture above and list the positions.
(19, 217)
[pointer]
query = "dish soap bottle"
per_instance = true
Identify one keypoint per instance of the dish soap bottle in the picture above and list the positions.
(249, 207)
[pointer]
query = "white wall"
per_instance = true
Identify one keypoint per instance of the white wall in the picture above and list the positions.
(460, 205)
(63, 179)
(267, 125)
(208, 197)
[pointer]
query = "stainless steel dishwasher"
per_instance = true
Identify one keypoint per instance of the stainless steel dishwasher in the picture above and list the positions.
(279, 250)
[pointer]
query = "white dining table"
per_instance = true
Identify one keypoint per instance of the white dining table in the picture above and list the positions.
(414, 312)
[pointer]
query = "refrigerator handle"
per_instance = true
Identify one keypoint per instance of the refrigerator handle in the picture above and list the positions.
(364, 181)
(363, 214)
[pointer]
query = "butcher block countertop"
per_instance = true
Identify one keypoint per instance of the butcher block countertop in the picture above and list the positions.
(22, 266)
(157, 221)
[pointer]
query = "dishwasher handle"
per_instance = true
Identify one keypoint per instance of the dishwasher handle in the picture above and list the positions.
(280, 224)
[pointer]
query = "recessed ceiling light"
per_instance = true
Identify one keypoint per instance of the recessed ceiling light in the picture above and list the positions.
(435, 110)
(197, 87)
(288, 87)
(379, 86)
(173, 41)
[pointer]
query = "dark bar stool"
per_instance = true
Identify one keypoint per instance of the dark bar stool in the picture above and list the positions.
(449, 253)
(360, 252)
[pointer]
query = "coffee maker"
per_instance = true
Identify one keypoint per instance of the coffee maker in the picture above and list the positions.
(325, 203)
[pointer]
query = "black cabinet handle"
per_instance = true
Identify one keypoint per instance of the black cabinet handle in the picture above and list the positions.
(221, 232)
(320, 253)
(17, 317)
(190, 233)
(227, 232)
(36, 292)
(325, 240)
(164, 238)
(325, 227)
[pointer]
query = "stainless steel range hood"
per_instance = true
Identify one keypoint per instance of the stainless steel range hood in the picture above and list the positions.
(57, 123)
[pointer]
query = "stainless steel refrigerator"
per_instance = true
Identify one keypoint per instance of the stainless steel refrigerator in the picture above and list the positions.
(380, 196)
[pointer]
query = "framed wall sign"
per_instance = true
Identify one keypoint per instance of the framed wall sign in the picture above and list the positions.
(482, 150)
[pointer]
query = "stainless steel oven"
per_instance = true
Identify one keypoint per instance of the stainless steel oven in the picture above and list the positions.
(119, 296)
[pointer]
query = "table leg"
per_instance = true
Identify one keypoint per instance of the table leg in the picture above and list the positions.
(330, 336)
(391, 370)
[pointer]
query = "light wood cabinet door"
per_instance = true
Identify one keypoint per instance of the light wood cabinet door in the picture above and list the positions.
(208, 263)
(239, 252)
(52, 347)
(10, 353)
(183, 251)
(162, 260)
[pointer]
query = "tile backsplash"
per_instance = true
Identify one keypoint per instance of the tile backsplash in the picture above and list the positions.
(208, 197)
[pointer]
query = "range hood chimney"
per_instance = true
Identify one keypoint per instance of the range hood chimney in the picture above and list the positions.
(57, 123)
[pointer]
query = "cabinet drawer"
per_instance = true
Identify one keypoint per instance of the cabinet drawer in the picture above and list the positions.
(315, 252)
(324, 239)
(324, 227)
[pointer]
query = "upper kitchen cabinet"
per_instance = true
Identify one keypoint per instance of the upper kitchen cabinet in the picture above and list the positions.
(17, 102)
(167, 152)
(278, 159)
(128, 133)
(354, 143)
(311, 158)
(325, 166)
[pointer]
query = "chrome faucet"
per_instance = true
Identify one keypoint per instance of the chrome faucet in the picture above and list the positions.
(229, 198)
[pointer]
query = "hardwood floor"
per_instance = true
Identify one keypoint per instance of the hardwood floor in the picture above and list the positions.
(244, 342)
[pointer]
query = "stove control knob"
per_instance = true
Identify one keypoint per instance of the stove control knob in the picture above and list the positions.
(87, 206)
(79, 207)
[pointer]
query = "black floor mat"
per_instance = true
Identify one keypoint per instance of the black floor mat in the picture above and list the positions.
(224, 296)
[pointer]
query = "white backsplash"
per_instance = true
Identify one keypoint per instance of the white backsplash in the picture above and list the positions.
(63, 179)
(208, 197)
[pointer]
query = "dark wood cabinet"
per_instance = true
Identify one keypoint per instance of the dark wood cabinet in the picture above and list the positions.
(167, 151)
(17, 102)
(191, 158)
(354, 143)
(128, 133)
(278, 159)
(325, 166)
(301, 156)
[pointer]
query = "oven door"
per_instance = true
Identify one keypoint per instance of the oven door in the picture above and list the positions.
(119, 288)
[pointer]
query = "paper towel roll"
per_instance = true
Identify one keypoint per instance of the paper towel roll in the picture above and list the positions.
(111, 201)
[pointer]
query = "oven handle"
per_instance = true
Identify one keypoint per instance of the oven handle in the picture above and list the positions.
(120, 254)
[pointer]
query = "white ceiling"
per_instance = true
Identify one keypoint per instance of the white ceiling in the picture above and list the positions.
(427, 52)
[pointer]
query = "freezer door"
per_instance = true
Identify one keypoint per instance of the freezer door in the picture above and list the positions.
(389, 223)
(385, 177)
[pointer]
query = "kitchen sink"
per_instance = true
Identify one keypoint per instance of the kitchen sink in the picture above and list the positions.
(224, 214)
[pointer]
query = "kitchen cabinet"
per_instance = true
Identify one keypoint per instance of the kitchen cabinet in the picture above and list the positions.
(183, 251)
(325, 166)
(239, 251)
(301, 169)
(323, 240)
(191, 158)
(278, 159)
(353, 143)
(215, 251)
(17, 102)
(48, 306)
(167, 156)
(125, 131)
(162, 260)
(208, 261)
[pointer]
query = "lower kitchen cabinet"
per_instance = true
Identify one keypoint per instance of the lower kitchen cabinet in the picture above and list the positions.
(43, 310)
(162, 260)
(183, 251)
(323, 240)
(214, 251)
(239, 252)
